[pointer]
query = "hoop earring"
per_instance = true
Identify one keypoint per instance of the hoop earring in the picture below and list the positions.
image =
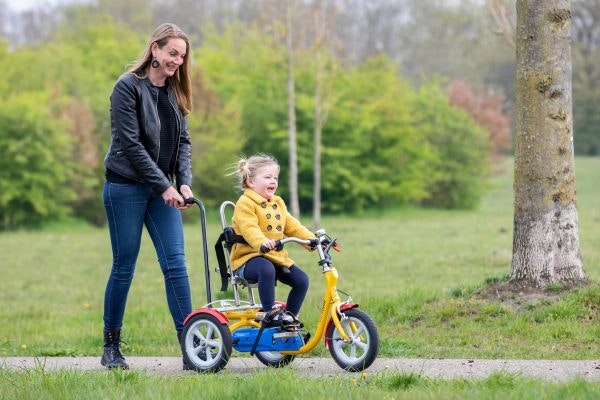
(155, 63)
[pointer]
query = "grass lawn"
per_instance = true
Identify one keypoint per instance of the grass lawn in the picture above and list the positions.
(415, 271)
(282, 383)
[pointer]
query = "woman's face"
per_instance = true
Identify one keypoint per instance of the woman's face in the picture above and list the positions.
(264, 182)
(170, 56)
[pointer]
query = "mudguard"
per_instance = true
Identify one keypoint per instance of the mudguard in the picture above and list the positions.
(217, 314)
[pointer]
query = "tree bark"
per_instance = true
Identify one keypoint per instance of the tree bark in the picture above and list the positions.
(546, 246)
(293, 151)
(317, 155)
(320, 38)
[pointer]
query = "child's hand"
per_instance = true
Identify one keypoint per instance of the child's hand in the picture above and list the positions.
(269, 245)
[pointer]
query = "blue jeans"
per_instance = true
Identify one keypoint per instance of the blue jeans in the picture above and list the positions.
(128, 208)
(265, 273)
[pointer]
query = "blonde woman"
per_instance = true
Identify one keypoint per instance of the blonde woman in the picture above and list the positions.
(148, 176)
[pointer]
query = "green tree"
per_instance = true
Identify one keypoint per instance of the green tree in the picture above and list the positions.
(460, 145)
(247, 72)
(586, 75)
(214, 126)
(373, 155)
(34, 168)
(79, 67)
(586, 120)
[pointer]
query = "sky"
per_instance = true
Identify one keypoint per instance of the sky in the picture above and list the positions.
(22, 5)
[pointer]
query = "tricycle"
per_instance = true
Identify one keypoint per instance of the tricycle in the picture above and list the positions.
(212, 331)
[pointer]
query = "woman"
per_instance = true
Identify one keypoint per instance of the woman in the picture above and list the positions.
(148, 176)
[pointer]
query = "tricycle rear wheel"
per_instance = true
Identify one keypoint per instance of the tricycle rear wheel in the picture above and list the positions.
(206, 343)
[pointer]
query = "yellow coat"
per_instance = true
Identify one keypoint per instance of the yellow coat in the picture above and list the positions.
(257, 220)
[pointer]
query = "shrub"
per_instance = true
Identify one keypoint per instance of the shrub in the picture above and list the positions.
(461, 147)
(34, 170)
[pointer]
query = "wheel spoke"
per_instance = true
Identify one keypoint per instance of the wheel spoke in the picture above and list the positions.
(214, 344)
(199, 335)
(210, 331)
(210, 355)
(364, 346)
(352, 329)
(353, 352)
(198, 350)
(357, 333)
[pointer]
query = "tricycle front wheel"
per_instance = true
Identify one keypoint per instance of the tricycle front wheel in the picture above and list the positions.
(360, 352)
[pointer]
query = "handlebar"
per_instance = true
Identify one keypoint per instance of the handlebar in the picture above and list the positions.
(279, 243)
(191, 200)
(325, 241)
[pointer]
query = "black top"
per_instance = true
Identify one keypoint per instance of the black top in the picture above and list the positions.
(168, 127)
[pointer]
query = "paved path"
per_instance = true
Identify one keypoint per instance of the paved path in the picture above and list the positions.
(552, 370)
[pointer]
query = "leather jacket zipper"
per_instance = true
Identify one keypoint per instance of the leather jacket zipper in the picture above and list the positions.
(157, 119)
(178, 137)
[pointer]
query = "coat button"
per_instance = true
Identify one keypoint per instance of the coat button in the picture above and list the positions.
(279, 228)
(269, 216)
(277, 217)
(264, 205)
(269, 228)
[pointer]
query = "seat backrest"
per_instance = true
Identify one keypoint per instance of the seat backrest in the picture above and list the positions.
(223, 246)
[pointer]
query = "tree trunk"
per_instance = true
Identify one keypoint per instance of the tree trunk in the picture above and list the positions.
(293, 151)
(546, 234)
(317, 155)
(320, 35)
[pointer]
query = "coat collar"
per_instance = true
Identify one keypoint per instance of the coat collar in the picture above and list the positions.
(257, 198)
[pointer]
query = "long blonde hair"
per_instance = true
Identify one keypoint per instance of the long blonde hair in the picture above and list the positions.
(180, 82)
(247, 167)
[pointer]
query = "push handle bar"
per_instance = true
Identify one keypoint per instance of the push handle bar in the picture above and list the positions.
(192, 200)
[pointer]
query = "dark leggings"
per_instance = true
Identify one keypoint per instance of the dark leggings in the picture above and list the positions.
(264, 272)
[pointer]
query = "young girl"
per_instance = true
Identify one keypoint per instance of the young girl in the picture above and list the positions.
(261, 217)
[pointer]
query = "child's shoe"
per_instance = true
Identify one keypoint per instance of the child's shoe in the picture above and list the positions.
(285, 319)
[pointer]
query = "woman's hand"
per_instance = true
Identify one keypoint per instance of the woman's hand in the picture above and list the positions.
(186, 192)
(174, 199)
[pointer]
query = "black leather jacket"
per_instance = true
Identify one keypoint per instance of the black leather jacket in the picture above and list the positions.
(135, 135)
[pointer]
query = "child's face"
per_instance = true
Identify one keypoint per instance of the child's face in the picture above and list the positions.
(264, 182)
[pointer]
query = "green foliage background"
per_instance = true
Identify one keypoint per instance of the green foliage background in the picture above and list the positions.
(384, 143)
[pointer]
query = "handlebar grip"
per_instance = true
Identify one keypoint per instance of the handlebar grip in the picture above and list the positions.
(190, 200)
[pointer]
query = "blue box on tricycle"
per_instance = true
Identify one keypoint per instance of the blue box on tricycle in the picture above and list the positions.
(271, 339)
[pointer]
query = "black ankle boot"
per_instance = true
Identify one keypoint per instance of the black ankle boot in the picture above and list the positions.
(186, 366)
(112, 357)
